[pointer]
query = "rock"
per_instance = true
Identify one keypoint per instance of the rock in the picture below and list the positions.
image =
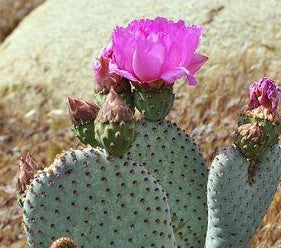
(12, 12)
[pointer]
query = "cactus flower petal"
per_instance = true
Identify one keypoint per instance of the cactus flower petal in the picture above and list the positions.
(171, 75)
(105, 74)
(148, 50)
(197, 62)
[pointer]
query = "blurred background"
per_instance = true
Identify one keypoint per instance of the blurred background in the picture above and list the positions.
(46, 51)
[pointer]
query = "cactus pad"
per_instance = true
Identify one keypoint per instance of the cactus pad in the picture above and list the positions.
(236, 207)
(154, 105)
(98, 202)
(116, 138)
(174, 159)
(86, 133)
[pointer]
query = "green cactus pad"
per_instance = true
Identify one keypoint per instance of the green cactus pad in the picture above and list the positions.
(86, 133)
(116, 138)
(250, 139)
(154, 105)
(174, 159)
(98, 202)
(127, 97)
(236, 207)
(271, 129)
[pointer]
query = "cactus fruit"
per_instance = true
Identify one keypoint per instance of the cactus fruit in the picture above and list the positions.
(236, 207)
(64, 243)
(154, 104)
(105, 80)
(270, 124)
(114, 125)
(119, 203)
(250, 139)
(173, 157)
(86, 134)
(83, 114)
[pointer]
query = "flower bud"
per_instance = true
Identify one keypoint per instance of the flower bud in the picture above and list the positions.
(114, 110)
(28, 167)
(104, 77)
(264, 93)
(262, 109)
(114, 126)
(81, 112)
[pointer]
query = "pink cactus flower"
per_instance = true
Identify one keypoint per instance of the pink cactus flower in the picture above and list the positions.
(150, 50)
(264, 93)
(101, 66)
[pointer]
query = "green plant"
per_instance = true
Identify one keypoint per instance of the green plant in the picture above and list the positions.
(236, 206)
(98, 201)
(144, 183)
(243, 178)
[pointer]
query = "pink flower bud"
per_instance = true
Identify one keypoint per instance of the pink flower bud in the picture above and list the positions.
(114, 110)
(81, 112)
(105, 78)
(27, 169)
(150, 50)
(264, 93)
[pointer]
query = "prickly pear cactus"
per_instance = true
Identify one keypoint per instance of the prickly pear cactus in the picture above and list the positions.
(174, 159)
(236, 207)
(98, 202)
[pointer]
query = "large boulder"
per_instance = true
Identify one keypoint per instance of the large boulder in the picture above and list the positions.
(12, 12)
(49, 56)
